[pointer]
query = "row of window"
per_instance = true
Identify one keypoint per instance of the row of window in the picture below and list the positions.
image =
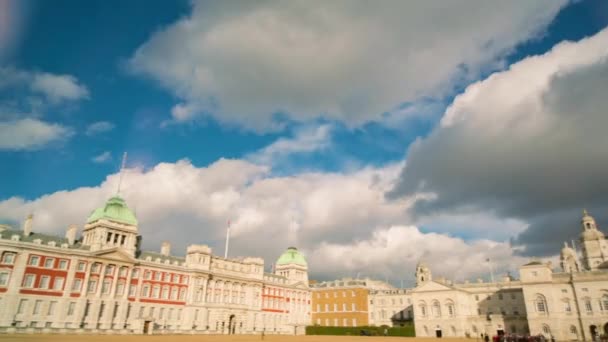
(345, 308)
(336, 322)
(166, 292)
(392, 302)
(49, 262)
(540, 304)
(335, 294)
(500, 296)
(29, 282)
(436, 309)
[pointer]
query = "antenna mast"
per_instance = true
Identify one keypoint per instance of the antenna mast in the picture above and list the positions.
(122, 169)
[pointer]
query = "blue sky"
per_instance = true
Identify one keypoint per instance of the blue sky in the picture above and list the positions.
(162, 80)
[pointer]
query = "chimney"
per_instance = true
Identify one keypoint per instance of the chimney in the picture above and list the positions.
(70, 234)
(165, 248)
(27, 225)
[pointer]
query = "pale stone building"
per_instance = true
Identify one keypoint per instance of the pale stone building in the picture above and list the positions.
(392, 307)
(103, 283)
(568, 304)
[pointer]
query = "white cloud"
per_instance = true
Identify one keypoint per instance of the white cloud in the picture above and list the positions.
(31, 134)
(528, 143)
(58, 88)
(305, 140)
(99, 127)
(394, 251)
(345, 60)
(102, 158)
(324, 214)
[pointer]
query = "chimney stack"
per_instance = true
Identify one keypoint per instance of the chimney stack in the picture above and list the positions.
(70, 234)
(165, 248)
(27, 225)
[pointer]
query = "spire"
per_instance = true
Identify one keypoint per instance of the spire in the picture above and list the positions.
(585, 213)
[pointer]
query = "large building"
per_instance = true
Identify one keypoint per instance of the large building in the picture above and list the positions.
(570, 303)
(103, 282)
(390, 307)
(343, 302)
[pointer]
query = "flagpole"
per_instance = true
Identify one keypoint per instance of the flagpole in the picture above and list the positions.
(491, 269)
(227, 241)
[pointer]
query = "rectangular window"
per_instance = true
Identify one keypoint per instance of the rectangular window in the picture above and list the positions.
(344, 322)
(155, 292)
(132, 289)
(8, 258)
(28, 280)
(105, 286)
(354, 322)
(34, 260)
(71, 308)
(135, 273)
(167, 277)
(77, 285)
(147, 275)
(145, 291)
(95, 268)
(354, 307)
(326, 307)
(344, 307)
(165, 293)
(49, 262)
(318, 307)
(4, 278)
(22, 306)
(37, 306)
(157, 276)
(335, 307)
(58, 283)
(92, 286)
(44, 282)
(51, 310)
(81, 266)
(588, 306)
(335, 322)
(182, 294)
(63, 264)
(120, 288)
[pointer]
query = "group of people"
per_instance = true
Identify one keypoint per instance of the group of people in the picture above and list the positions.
(516, 338)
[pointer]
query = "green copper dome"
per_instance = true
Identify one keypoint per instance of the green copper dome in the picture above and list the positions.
(115, 210)
(292, 256)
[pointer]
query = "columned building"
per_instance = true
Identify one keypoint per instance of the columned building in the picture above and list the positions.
(103, 282)
(569, 303)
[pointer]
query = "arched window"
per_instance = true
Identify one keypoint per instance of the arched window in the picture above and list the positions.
(540, 304)
(450, 307)
(573, 330)
(436, 309)
(546, 329)
(422, 307)
(604, 302)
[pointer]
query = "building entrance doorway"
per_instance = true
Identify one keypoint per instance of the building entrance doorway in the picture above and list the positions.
(231, 325)
(500, 332)
(147, 327)
(593, 331)
(438, 333)
(606, 329)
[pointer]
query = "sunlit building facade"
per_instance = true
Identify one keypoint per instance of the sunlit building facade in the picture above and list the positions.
(102, 282)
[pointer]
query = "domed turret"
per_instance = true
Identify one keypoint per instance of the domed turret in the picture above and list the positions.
(293, 265)
(112, 225)
(292, 256)
(115, 210)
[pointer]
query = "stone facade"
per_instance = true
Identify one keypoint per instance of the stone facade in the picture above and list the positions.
(104, 283)
(570, 303)
(391, 307)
